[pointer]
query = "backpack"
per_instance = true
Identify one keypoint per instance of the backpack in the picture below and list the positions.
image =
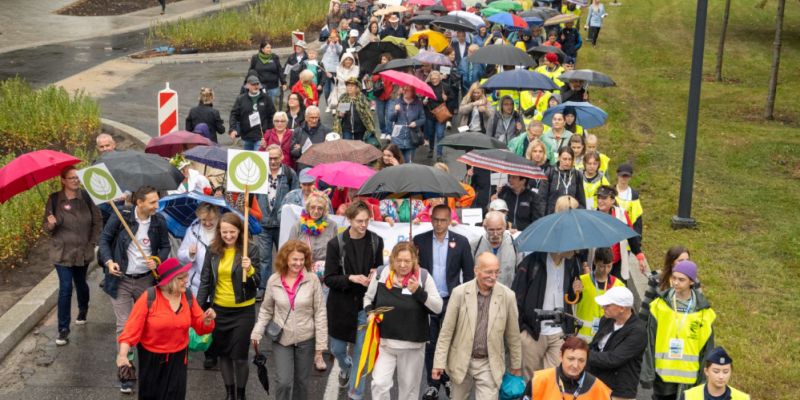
(151, 297)
(373, 242)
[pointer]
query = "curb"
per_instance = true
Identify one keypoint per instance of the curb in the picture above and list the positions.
(200, 58)
(118, 128)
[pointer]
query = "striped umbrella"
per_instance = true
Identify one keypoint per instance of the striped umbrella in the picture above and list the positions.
(502, 161)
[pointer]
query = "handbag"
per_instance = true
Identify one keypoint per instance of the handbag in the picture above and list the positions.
(417, 136)
(442, 113)
(275, 331)
(378, 88)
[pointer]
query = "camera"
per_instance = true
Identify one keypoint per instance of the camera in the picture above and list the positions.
(556, 317)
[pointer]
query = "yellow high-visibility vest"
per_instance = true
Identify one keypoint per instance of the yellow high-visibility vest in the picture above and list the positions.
(692, 329)
(590, 189)
(697, 393)
(587, 310)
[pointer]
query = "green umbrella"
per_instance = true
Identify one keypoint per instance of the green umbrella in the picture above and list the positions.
(489, 11)
(411, 50)
(506, 5)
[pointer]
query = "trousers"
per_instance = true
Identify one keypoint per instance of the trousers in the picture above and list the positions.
(408, 364)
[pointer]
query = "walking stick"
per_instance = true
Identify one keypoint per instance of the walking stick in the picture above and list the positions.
(133, 238)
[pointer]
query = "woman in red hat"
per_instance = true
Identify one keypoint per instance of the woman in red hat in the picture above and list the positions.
(159, 324)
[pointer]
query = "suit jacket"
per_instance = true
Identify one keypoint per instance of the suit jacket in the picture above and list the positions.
(460, 265)
(454, 347)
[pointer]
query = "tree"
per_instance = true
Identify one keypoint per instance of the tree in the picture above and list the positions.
(769, 110)
(721, 48)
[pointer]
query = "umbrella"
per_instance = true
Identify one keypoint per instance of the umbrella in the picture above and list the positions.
(430, 57)
(370, 55)
(510, 21)
(411, 180)
(132, 170)
(586, 114)
(506, 5)
(519, 79)
(472, 18)
(174, 143)
(390, 10)
(575, 229)
(587, 75)
(560, 19)
(342, 174)
(471, 141)
(404, 79)
(501, 55)
(578, 2)
(213, 156)
(398, 64)
(435, 39)
(340, 150)
(390, 2)
(411, 50)
(534, 21)
(436, 8)
(539, 51)
(455, 23)
(489, 11)
(260, 361)
(541, 12)
(423, 3)
(503, 161)
(31, 169)
(178, 210)
(423, 19)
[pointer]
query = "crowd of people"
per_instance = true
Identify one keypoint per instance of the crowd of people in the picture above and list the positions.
(461, 315)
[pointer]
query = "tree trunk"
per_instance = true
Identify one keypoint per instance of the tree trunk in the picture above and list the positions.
(776, 62)
(721, 48)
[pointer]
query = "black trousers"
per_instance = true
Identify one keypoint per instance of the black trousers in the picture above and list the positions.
(594, 32)
(435, 325)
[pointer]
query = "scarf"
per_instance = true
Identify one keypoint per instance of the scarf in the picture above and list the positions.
(312, 227)
(362, 108)
(308, 89)
(265, 58)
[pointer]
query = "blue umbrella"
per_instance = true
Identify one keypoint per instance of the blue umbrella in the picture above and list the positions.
(573, 230)
(213, 156)
(178, 209)
(519, 79)
(509, 21)
(533, 21)
(587, 115)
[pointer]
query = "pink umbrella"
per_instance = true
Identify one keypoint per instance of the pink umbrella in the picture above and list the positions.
(343, 174)
(31, 169)
(404, 79)
(175, 142)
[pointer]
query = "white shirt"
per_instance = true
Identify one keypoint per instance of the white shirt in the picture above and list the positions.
(136, 264)
(553, 294)
(604, 339)
(626, 194)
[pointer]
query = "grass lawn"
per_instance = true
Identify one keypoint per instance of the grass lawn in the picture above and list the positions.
(747, 181)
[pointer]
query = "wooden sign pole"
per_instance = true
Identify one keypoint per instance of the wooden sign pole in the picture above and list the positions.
(246, 232)
(133, 237)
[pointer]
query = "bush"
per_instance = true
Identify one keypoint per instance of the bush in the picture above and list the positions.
(242, 29)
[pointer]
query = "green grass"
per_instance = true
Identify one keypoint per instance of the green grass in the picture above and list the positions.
(47, 118)
(747, 180)
(243, 29)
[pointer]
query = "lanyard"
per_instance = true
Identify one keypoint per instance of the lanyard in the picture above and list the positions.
(577, 390)
(685, 312)
(605, 284)
(567, 182)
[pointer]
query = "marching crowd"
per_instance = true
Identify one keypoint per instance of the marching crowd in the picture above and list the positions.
(465, 316)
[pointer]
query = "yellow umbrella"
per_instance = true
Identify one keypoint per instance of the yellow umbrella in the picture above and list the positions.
(390, 10)
(560, 19)
(435, 39)
(411, 50)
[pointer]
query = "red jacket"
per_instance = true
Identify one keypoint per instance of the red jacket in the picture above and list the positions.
(307, 101)
(388, 87)
(270, 137)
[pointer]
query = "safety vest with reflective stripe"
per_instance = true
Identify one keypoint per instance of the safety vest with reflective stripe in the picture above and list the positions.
(542, 69)
(604, 160)
(632, 206)
(587, 309)
(694, 331)
(698, 393)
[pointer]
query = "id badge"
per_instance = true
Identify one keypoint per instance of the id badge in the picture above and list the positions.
(675, 349)
(595, 325)
(406, 292)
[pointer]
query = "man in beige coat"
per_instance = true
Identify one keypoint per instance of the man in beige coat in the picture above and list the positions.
(481, 321)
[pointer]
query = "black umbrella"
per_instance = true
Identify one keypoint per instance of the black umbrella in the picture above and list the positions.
(455, 23)
(370, 55)
(132, 170)
(423, 19)
(436, 8)
(260, 361)
(398, 64)
(411, 180)
(539, 51)
(587, 75)
(471, 141)
(501, 55)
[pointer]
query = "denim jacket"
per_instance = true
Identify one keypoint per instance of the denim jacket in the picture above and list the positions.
(413, 112)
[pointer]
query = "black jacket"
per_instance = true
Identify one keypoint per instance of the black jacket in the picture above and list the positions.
(529, 286)
(560, 183)
(242, 291)
(297, 66)
(205, 114)
(460, 265)
(523, 208)
(619, 363)
(399, 32)
(114, 242)
(438, 90)
(270, 74)
(346, 298)
(299, 137)
(240, 116)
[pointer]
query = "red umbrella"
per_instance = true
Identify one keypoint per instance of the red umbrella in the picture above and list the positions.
(175, 142)
(404, 79)
(31, 169)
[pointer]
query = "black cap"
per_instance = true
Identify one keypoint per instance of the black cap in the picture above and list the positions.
(719, 356)
(625, 169)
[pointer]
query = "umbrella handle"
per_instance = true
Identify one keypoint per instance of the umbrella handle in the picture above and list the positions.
(573, 301)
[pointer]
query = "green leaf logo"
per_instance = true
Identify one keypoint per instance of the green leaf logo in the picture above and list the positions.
(99, 184)
(248, 169)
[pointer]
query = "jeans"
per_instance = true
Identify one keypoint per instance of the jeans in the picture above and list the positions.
(66, 277)
(435, 325)
(339, 350)
(434, 132)
(274, 95)
(295, 363)
(408, 155)
(352, 135)
(594, 32)
(380, 107)
(250, 144)
(266, 241)
(327, 88)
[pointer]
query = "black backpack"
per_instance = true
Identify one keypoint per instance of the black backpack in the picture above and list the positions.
(373, 242)
(151, 297)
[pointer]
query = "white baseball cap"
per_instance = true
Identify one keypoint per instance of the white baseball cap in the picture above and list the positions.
(618, 295)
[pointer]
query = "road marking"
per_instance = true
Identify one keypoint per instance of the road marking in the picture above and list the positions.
(332, 387)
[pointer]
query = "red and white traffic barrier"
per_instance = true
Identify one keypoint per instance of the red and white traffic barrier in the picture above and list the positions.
(167, 111)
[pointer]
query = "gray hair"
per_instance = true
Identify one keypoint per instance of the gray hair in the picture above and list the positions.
(280, 114)
(312, 108)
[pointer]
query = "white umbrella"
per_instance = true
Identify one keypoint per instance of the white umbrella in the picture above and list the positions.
(474, 19)
(390, 2)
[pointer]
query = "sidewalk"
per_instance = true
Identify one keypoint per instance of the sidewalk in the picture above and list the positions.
(33, 23)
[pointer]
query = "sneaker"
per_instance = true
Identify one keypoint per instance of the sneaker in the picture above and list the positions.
(439, 159)
(431, 393)
(81, 320)
(447, 387)
(63, 338)
(260, 295)
(126, 387)
(344, 378)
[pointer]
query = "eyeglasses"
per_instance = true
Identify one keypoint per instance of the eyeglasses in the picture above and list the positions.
(71, 178)
(276, 158)
(283, 121)
(440, 220)
(311, 117)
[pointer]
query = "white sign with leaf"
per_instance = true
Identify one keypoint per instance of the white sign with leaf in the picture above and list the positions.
(247, 168)
(99, 183)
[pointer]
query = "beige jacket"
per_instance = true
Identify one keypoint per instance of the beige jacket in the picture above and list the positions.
(454, 348)
(307, 320)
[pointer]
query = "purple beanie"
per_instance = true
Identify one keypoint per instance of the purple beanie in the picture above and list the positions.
(687, 268)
